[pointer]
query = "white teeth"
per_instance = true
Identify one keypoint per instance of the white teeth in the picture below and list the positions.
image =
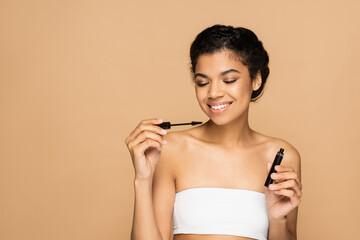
(220, 106)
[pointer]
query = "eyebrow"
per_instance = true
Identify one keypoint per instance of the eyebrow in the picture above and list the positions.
(221, 74)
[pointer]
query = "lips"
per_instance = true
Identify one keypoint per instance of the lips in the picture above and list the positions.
(219, 110)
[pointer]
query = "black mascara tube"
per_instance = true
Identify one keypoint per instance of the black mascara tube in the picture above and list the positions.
(277, 161)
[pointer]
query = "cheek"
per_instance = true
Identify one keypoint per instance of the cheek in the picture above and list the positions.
(200, 94)
(239, 91)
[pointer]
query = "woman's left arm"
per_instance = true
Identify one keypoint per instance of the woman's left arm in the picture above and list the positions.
(284, 196)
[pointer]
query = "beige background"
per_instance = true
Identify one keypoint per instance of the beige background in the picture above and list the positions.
(77, 76)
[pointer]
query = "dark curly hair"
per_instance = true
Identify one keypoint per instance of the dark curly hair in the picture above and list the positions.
(242, 41)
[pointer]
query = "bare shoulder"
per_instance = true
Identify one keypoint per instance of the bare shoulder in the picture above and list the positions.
(275, 144)
(175, 138)
(291, 157)
(176, 143)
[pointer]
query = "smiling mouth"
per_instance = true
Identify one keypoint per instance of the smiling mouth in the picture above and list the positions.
(221, 106)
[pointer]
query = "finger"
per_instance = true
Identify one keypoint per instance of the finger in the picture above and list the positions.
(151, 120)
(146, 135)
(283, 176)
(281, 168)
(145, 126)
(289, 184)
(140, 149)
(294, 199)
(146, 122)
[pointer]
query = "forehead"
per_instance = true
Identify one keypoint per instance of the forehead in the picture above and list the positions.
(218, 62)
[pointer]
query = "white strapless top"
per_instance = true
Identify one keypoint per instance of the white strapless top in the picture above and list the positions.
(224, 211)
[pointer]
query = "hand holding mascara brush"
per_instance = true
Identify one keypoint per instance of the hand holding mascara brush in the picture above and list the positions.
(167, 125)
(145, 145)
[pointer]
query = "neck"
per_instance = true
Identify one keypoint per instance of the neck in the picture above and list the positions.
(232, 134)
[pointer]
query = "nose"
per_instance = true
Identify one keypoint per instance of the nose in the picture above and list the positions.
(215, 90)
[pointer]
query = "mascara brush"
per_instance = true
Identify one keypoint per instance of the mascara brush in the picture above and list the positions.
(168, 125)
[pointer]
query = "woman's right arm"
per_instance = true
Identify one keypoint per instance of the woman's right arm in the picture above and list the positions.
(144, 223)
(145, 145)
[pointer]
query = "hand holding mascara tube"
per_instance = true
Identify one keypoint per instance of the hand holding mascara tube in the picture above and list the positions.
(277, 161)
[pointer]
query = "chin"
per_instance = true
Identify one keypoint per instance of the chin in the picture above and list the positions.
(219, 121)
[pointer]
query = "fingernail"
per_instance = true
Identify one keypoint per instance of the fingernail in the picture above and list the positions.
(163, 130)
(164, 141)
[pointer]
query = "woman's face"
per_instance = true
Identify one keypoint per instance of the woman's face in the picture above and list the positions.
(220, 80)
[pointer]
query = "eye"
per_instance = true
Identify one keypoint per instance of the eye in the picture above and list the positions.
(231, 81)
(201, 84)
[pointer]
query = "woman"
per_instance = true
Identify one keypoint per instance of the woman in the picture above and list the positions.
(209, 180)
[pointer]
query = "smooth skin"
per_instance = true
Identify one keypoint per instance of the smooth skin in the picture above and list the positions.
(224, 152)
